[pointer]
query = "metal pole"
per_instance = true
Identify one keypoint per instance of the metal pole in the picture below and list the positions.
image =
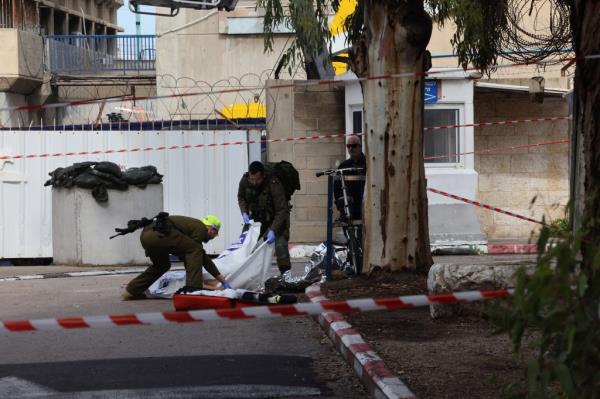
(138, 32)
(329, 244)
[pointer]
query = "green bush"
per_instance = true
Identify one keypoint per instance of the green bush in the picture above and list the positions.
(557, 308)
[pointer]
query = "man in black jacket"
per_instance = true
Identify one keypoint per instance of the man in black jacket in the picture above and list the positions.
(354, 188)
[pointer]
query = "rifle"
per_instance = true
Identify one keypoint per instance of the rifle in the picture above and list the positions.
(135, 224)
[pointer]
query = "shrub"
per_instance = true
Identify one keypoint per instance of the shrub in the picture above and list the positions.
(559, 304)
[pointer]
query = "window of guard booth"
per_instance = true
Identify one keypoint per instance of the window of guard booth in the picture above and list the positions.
(357, 121)
(442, 146)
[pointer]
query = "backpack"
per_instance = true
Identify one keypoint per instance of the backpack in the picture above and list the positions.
(287, 174)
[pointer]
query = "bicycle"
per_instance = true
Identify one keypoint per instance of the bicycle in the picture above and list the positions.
(352, 228)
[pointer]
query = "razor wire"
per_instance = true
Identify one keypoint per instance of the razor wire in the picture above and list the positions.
(527, 28)
(171, 98)
(173, 102)
(220, 91)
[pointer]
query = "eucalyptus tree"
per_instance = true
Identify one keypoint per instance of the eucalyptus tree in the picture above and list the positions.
(389, 38)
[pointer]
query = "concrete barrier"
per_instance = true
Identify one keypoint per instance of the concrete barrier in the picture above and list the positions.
(81, 226)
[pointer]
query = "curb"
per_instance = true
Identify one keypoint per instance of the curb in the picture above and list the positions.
(367, 365)
(78, 274)
(500, 249)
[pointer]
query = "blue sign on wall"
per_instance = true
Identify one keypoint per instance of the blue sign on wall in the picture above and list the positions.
(431, 91)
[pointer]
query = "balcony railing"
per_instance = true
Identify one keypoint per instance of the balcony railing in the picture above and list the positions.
(100, 53)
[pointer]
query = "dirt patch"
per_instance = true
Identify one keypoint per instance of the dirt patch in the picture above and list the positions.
(451, 358)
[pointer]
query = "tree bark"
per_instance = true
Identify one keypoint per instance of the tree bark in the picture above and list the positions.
(585, 24)
(394, 40)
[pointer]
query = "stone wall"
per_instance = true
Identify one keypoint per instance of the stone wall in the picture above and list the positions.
(302, 111)
(512, 179)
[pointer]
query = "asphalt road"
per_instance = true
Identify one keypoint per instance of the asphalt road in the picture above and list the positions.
(288, 357)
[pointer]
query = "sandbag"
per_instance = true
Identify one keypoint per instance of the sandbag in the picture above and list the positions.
(101, 176)
(143, 175)
(87, 180)
(109, 167)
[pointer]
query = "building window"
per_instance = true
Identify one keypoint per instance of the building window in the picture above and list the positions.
(357, 121)
(441, 146)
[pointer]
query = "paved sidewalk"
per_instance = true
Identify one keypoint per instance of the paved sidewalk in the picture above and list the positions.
(7, 272)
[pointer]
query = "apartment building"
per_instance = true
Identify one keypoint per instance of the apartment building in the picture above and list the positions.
(23, 24)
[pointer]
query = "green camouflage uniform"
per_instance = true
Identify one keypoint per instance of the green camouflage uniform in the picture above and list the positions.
(268, 205)
(186, 239)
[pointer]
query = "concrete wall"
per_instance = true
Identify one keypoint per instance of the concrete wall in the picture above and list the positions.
(83, 113)
(511, 179)
(198, 50)
(81, 227)
(21, 68)
(12, 118)
(441, 49)
(302, 111)
(66, 17)
(90, 113)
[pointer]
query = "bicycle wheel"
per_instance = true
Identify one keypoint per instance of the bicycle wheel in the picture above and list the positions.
(359, 249)
(353, 250)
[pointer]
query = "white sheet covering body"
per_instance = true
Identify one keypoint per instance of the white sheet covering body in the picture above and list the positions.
(241, 267)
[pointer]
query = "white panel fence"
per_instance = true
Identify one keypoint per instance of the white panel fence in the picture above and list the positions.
(196, 181)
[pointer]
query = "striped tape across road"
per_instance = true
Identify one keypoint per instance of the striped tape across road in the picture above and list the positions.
(257, 312)
(482, 205)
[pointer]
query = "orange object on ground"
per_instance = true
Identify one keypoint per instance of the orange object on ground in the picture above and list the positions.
(198, 302)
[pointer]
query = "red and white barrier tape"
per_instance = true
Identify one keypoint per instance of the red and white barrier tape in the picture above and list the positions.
(273, 140)
(477, 203)
(497, 149)
(258, 312)
(430, 128)
(179, 147)
(494, 123)
(358, 353)
(439, 73)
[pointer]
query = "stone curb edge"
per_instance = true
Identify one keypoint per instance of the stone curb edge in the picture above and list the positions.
(367, 365)
(78, 274)
(499, 249)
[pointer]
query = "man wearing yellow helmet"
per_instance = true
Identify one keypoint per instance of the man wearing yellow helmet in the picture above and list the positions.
(182, 236)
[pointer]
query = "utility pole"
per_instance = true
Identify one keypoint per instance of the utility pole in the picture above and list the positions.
(138, 32)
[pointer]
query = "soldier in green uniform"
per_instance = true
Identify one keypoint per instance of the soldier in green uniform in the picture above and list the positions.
(182, 236)
(261, 197)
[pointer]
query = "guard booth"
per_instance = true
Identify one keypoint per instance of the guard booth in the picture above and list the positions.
(448, 101)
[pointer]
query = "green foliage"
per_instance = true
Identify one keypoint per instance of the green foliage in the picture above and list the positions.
(558, 306)
(309, 19)
(559, 227)
(477, 40)
(475, 250)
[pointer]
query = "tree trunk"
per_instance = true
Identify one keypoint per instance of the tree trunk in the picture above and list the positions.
(395, 36)
(585, 24)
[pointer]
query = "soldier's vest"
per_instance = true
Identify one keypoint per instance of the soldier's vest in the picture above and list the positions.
(260, 201)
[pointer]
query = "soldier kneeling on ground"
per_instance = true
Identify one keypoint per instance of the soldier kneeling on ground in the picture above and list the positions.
(182, 236)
